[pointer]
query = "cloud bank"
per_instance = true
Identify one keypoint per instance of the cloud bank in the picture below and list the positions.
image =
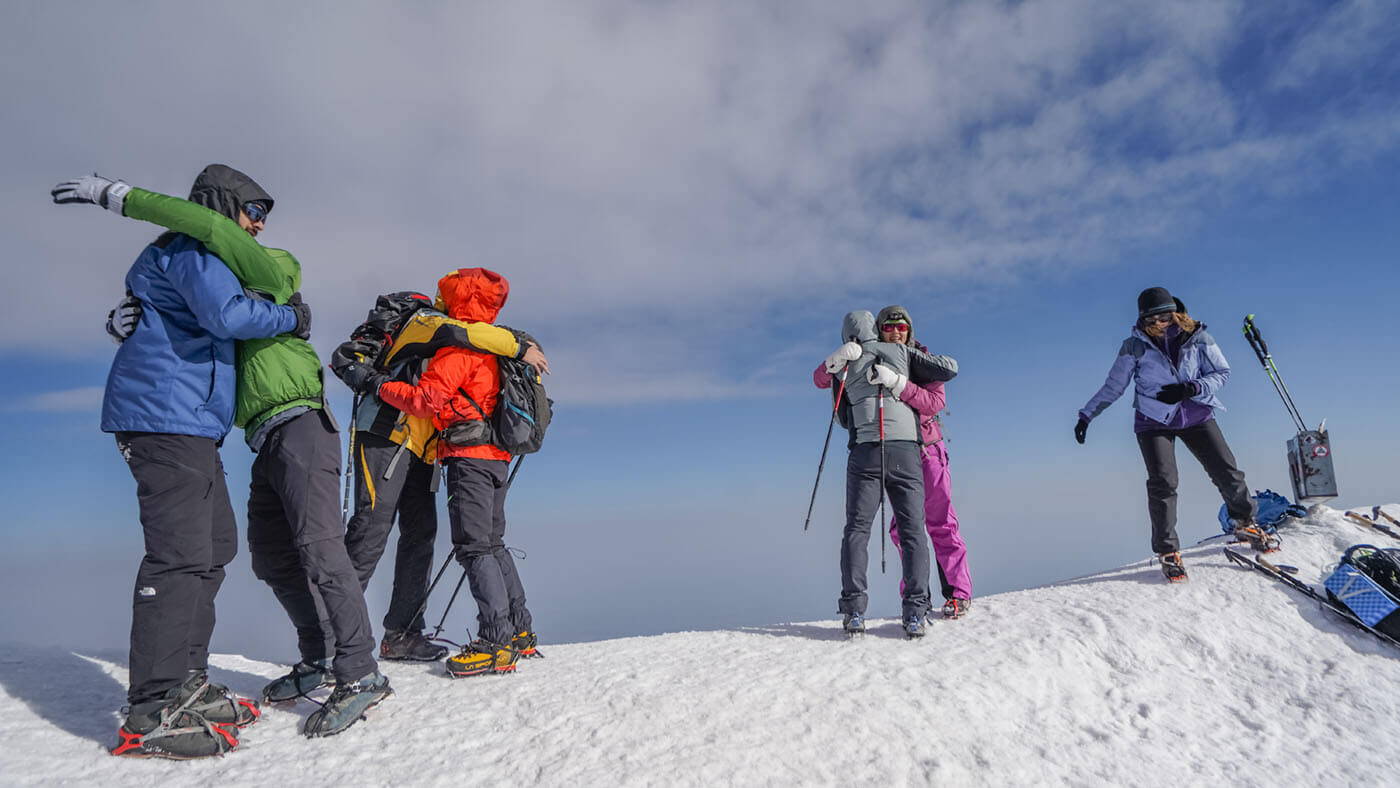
(669, 176)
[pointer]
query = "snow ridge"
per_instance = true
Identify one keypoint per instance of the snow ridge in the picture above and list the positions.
(1113, 678)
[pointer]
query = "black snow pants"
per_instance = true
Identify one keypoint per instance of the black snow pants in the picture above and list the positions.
(904, 481)
(391, 480)
(477, 507)
(297, 542)
(190, 536)
(1208, 444)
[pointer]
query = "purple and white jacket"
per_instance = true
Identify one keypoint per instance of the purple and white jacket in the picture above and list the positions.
(1200, 363)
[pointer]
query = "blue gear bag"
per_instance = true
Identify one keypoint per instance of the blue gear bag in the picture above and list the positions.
(1272, 509)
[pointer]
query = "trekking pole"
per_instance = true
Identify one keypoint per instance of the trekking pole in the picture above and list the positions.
(349, 463)
(1261, 349)
(881, 401)
(423, 608)
(442, 621)
(839, 391)
(514, 470)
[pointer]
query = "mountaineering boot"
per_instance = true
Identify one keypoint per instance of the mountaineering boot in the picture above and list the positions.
(215, 703)
(303, 678)
(1257, 537)
(854, 624)
(914, 627)
(409, 646)
(526, 642)
(166, 728)
(1172, 567)
(347, 705)
(482, 656)
(956, 607)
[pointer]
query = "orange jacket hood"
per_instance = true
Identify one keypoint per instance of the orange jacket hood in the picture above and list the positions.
(472, 294)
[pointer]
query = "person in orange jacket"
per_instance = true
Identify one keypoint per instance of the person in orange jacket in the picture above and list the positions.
(458, 391)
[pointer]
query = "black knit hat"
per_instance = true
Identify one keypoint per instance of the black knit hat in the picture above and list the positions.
(1154, 301)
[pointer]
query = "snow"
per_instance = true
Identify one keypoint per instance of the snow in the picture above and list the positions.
(1115, 678)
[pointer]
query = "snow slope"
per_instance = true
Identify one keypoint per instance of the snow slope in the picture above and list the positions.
(1115, 678)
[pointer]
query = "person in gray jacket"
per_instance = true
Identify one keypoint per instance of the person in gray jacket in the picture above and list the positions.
(1177, 369)
(884, 459)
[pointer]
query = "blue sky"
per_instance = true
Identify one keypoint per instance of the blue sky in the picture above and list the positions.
(686, 200)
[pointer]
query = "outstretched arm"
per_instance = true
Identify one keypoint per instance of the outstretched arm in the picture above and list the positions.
(249, 260)
(1119, 376)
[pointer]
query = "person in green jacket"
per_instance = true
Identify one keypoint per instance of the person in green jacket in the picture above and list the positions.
(295, 533)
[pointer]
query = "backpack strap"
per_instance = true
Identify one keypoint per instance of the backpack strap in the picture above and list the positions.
(479, 409)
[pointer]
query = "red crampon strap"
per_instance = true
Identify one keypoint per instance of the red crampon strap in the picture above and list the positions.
(129, 741)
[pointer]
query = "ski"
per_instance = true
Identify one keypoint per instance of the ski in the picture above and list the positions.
(1362, 519)
(1282, 575)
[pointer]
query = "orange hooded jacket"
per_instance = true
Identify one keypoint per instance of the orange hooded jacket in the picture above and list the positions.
(470, 294)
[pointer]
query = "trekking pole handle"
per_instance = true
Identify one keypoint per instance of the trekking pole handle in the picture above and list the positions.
(1256, 339)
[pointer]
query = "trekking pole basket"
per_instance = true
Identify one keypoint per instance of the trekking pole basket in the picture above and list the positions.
(1309, 451)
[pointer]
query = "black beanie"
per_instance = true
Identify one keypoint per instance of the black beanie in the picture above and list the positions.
(1155, 300)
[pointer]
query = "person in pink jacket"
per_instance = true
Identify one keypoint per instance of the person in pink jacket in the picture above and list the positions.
(939, 517)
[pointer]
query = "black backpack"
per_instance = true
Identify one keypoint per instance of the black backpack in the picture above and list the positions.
(523, 410)
(384, 321)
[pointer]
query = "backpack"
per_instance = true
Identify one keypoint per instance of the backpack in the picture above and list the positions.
(1272, 508)
(384, 322)
(1367, 582)
(522, 414)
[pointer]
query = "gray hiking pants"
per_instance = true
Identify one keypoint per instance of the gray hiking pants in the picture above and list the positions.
(384, 487)
(298, 547)
(190, 536)
(476, 505)
(904, 482)
(1208, 444)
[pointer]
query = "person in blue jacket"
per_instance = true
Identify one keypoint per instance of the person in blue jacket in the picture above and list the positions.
(170, 401)
(1177, 369)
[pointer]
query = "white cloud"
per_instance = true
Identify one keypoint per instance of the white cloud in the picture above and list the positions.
(678, 166)
(79, 400)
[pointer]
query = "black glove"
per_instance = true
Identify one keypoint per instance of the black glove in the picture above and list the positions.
(363, 378)
(1173, 393)
(1081, 428)
(303, 327)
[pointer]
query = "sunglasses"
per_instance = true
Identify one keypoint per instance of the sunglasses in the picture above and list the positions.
(895, 327)
(256, 211)
(1164, 317)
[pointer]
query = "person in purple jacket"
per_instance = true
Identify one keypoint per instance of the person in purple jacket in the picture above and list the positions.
(1177, 369)
(940, 519)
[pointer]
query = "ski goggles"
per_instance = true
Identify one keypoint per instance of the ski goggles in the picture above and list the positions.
(895, 326)
(256, 211)
(1160, 317)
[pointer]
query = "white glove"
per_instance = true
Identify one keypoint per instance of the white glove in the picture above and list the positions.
(881, 375)
(844, 355)
(93, 189)
(122, 320)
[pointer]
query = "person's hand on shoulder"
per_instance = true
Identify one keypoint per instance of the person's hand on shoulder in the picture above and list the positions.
(842, 356)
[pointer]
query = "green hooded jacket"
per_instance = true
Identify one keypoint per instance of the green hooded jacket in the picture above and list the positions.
(274, 374)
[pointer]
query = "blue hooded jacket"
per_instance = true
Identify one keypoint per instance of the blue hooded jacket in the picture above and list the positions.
(1139, 359)
(175, 373)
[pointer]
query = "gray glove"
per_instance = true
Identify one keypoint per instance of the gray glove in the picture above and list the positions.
(303, 327)
(93, 189)
(122, 320)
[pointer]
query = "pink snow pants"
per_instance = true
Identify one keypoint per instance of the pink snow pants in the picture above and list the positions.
(942, 521)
